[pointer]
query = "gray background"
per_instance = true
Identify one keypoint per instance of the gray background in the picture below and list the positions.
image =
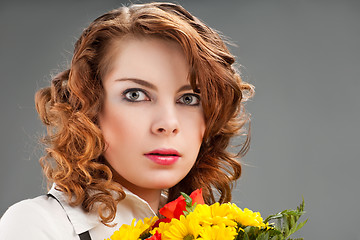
(303, 56)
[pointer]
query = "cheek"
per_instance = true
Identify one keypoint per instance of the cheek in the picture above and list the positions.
(121, 134)
(194, 126)
(120, 126)
(199, 124)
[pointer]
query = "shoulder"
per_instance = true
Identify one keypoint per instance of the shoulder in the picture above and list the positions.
(40, 218)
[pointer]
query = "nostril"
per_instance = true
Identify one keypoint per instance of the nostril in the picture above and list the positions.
(161, 130)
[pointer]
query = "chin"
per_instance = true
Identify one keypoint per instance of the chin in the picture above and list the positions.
(164, 184)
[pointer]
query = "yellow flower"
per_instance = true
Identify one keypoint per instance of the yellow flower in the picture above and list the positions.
(218, 232)
(249, 218)
(163, 226)
(214, 214)
(228, 214)
(133, 231)
(186, 228)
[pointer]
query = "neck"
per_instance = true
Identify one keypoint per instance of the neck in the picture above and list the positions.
(151, 196)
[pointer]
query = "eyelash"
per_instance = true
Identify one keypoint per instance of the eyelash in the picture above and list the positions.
(192, 95)
(125, 97)
(146, 95)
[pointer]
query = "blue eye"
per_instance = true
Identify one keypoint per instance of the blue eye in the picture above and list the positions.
(135, 95)
(190, 99)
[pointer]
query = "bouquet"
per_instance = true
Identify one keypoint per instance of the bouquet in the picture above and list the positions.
(188, 218)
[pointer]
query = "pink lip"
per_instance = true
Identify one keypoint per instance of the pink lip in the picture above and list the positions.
(163, 156)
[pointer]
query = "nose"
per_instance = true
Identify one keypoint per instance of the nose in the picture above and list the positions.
(165, 121)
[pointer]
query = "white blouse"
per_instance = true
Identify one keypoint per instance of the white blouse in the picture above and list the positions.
(43, 218)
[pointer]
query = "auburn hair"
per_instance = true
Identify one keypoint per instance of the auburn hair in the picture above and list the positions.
(70, 106)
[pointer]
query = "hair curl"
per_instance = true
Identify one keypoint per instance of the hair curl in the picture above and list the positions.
(70, 106)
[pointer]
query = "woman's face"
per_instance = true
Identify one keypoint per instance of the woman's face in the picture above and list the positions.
(152, 121)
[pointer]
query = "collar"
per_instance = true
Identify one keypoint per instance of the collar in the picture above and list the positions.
(84, 221)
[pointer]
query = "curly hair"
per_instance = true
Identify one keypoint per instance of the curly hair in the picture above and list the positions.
(69, 108)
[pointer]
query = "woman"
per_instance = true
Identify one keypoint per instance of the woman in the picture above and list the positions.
(146, 111)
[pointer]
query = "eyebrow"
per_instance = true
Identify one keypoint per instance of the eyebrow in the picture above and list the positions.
(150, 85)
(138, 81)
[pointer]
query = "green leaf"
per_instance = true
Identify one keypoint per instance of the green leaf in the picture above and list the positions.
(263, 236)
(297, 227)
(273, 217)
(246, 236)
(189, 206)
(278, 237)
(189, 209)
(287, 221)
(188, 199)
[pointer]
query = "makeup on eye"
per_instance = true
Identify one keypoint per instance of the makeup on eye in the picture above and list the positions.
(135, 95)
(150, 85)
(140, 95)
(190, 99)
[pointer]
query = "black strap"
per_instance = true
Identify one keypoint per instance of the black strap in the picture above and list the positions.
(85, 236)
(82, 236)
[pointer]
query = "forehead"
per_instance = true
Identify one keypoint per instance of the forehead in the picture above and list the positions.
(143, 46)
(147, 58)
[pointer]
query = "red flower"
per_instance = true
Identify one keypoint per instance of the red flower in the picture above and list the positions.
(177, 207)
(174, 209)
(157, 223)
(197, 196)
(156, 236)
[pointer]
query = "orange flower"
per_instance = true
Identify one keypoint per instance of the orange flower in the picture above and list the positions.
(197, 196)
(174, 209)
(177, 207)
(156, 236)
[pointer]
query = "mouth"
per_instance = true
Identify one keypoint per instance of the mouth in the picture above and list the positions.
(159, 154)
(163, 156)
(164, 152)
